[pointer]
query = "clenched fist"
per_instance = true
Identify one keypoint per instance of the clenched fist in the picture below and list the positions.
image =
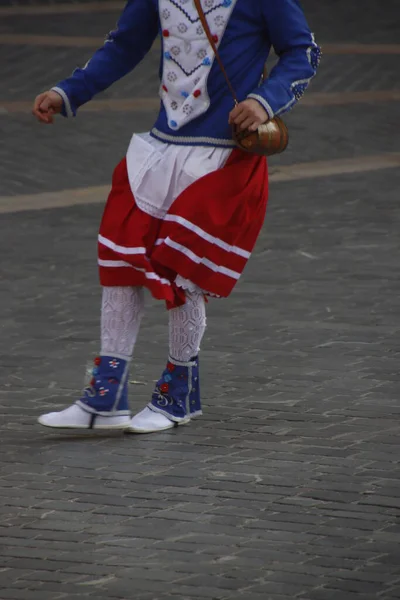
(46, 105)
(248, 114)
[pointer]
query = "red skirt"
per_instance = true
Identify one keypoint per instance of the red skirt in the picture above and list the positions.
(207, 235)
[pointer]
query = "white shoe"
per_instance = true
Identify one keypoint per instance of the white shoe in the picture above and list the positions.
(148, 421)
(75, 417)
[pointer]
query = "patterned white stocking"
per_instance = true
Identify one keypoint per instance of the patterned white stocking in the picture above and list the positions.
(121, 314)
(187, 325)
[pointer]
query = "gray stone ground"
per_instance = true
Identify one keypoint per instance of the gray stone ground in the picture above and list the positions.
(289, 487)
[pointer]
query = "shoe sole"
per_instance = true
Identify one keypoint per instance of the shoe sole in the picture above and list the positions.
(196, 414)
(142, 431)
(123, 426)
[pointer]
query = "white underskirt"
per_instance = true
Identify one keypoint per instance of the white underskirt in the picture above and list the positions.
(159, 172)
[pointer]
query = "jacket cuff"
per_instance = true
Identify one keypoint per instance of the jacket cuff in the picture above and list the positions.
(67, 108)
(263, 103)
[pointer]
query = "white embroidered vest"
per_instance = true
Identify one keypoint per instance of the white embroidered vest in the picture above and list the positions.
(188, 56)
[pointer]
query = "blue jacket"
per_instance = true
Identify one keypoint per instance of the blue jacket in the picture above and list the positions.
(247, 31)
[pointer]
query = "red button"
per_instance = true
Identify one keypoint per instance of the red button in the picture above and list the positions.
(97, 361)
(165, 33)
(215, 38)
(164, 87)
(197, 93)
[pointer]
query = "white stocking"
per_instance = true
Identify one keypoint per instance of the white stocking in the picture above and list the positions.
(187, 325)
(121, 314)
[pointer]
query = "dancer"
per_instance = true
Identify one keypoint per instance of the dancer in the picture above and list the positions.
(186, 205)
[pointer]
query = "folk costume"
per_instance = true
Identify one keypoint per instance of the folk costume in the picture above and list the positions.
(186, 205)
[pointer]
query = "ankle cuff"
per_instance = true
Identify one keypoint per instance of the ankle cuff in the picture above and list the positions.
(113, 355)
(179, 363)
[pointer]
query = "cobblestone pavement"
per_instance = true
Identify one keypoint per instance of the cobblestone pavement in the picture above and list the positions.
(289, 486)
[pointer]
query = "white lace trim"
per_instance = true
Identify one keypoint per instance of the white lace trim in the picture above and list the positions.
(186, 284)
(191, 287)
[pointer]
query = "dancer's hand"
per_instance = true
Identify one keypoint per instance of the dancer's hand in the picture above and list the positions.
(46, 105)
(248, 114)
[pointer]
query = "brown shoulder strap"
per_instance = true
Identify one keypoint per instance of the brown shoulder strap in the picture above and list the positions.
(206, 27)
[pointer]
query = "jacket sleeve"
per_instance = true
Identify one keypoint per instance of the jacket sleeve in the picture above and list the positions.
(298, 54)
(123, 49)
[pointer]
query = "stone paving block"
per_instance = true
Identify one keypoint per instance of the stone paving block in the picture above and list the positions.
(359, 587)
(27, 594)
(392, 593)
(329, 594)
(90, 25)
